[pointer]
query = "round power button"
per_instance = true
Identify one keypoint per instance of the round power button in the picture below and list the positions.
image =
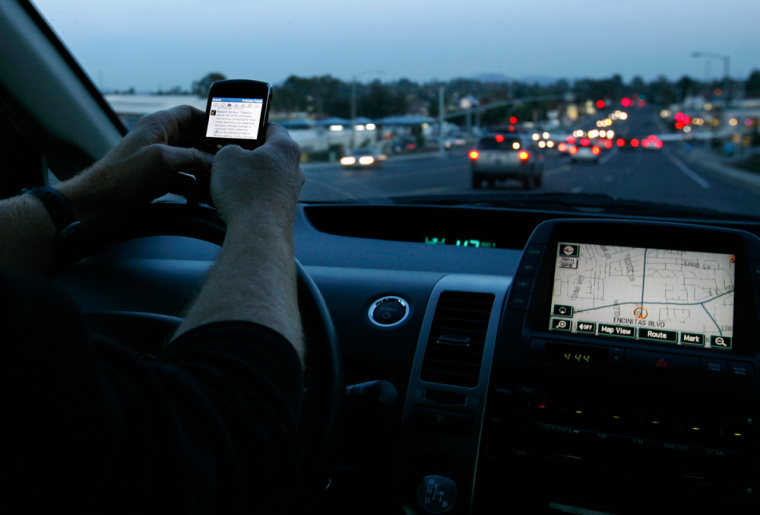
(388, 311)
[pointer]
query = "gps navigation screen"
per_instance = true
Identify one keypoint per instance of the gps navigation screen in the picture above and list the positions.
(651, 295)
(234, 118)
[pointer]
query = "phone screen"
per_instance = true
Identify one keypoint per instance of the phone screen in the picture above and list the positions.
(234, 118)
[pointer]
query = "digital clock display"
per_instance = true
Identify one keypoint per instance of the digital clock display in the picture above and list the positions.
(460, 242)
(576, 354)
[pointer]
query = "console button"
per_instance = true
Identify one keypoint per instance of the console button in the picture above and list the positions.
(388, 311)
(714, 367)
(528, 267)
(661, 362)
(741, 371)
(617, 355)
(534, 252)
(519, 301)
(522, 284)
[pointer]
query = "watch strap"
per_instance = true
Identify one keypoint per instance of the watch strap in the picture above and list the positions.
(57, 206)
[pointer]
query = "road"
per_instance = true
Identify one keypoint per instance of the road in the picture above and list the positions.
(667, 176)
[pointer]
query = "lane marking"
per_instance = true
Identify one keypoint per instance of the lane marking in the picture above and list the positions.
(555, 171)
(607, 157)
(691, 174)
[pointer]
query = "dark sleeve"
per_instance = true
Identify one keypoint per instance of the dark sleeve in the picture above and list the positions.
(211, 427)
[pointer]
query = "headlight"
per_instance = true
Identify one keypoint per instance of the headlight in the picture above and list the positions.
(348, 161)
(366, 160)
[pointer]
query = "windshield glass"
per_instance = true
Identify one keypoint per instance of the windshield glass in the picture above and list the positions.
(664, 95)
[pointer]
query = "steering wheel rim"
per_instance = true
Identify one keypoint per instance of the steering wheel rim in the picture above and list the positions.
(324, 390)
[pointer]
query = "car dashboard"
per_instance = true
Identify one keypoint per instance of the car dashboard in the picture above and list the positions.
(513, 360)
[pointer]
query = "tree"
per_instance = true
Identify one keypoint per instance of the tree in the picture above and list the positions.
(638, 85)
(662, 92)
(686, 87)
(752, 88)
(201, 87)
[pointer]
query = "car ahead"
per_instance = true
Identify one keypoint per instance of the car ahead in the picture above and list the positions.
(364, 157)
(627, 143)
(502, 352)
(585, 150)
(499, 157)
(651, 142)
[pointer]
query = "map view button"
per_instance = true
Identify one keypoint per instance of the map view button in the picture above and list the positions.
(620, 331)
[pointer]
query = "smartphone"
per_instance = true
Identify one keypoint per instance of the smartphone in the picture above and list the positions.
(237, 113)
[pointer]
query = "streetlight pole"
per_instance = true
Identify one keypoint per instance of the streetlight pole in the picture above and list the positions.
(726, 70)
(441, 150)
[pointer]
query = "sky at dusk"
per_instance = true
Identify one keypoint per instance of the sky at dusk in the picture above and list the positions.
(152, 44)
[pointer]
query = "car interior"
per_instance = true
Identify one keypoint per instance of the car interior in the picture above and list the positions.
(445, 378)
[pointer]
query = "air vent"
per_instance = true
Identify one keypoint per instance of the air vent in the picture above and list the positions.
(455, 345)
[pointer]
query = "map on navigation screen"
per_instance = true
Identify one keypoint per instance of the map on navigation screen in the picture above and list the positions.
(653, 295)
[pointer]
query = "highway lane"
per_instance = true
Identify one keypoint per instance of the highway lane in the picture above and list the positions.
(669, 176)
(665, 176)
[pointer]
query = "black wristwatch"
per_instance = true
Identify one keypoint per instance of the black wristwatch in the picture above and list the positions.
(59, 209)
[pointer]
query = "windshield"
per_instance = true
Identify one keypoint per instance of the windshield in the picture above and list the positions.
(666, 95)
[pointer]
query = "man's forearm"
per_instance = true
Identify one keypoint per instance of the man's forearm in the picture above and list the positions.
(28, 239)
(254, 279)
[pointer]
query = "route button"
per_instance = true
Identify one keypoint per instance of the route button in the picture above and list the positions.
(658, 335)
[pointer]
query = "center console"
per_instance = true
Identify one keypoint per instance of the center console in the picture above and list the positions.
(624, 373)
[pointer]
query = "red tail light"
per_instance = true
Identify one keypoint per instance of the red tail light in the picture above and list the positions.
(573, 149)
(608, 144)
(499, 138)
(634, 143)
(523, 155)
(620, 142)
(562, 147)
(595, 150)
(585, 142)
(571, 140)
(474, 154)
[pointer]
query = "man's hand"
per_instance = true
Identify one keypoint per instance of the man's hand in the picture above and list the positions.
(259, 184)
(141, 167)
(254, 278)
(137, 170)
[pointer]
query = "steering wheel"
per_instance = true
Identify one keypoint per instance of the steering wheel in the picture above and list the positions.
(324, 389)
